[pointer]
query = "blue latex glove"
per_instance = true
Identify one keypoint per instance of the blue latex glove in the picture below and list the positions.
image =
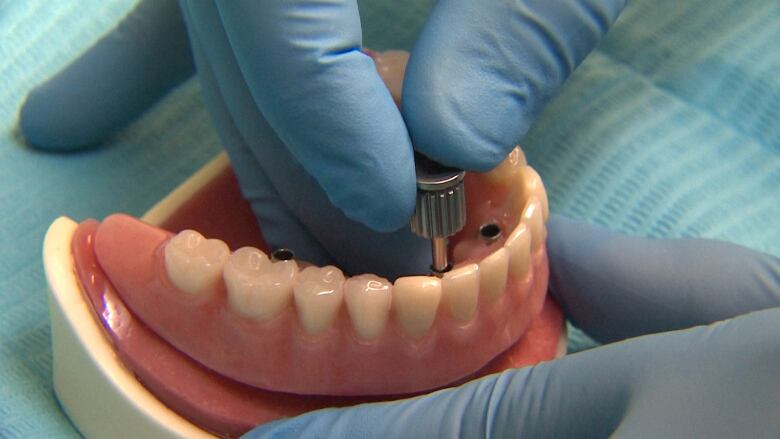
(721, 380)
(321, 152)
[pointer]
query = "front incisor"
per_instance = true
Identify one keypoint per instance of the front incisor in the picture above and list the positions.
(493, 274)
(368, 298)
(460, 291)
(415, 300)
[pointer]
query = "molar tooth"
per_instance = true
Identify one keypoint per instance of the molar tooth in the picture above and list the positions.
(368, 298)
(505, 172)
(318, 294)
(518, 245)
(416, 299)
(493, 273)
(256, 287)
(533, 218)
(193, 263)
(533, 186)
(460, 289)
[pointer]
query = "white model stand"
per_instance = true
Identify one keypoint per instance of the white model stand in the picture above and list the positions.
(100, 396)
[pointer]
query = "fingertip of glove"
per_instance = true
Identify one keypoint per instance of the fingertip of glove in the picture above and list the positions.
(455, 134)
(456, 144)
(384, 208)
(48, 126)
(379, 192)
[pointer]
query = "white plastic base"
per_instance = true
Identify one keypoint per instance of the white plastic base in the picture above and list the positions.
(100, 396)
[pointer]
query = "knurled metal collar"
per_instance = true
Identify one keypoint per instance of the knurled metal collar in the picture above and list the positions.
(441, 199)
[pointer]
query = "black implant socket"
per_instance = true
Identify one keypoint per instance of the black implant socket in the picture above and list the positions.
(490, 232)
(282, 254)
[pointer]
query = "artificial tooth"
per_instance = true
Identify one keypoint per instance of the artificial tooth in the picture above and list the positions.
(415, 299)
(518, 245)
(391, 65)
(533, 218)
(506, 171)
(194, 263)
(368, 298)
(256, 287)
(460, 290)
(493, 273)
(533, 186)
(318, 294)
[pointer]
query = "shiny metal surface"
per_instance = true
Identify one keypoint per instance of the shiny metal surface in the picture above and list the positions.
(440, 263)
(282, 254)
(441, 207)
(490, 232)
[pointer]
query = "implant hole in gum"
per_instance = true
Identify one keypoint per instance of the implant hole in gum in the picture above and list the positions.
(490, 232)
(282, 254)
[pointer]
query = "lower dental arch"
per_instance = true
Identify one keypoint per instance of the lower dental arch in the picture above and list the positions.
(417, 320)
(414, 334)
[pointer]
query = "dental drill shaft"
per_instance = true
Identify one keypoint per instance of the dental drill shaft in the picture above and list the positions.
(441, 208)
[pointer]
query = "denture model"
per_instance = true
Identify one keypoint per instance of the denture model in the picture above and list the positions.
(159, 330)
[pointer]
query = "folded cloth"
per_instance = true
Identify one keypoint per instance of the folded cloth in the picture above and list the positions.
(671, 128)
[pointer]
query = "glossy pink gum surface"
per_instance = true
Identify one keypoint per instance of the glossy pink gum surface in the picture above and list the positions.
(277, 355)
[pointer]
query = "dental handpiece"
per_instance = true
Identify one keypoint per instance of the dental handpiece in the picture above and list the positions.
(441, 208)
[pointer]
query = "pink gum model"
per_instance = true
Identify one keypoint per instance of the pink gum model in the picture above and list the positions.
(278, 355)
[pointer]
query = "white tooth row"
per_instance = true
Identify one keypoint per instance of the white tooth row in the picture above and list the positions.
(260, 289)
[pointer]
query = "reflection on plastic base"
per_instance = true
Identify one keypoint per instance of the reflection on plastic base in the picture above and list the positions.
(100, 396)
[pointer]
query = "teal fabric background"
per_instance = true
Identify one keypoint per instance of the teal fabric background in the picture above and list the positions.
(671, 128)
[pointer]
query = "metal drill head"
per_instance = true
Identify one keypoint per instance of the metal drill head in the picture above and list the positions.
(441, 199)
(441, 207)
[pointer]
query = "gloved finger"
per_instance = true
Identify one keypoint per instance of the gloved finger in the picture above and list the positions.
(113, 82)
(614, 286)
(354, 247)
(281, 229)
(715, 381)
(481, 72)
(323, 97)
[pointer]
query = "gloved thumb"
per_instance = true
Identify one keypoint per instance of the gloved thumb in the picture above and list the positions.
(481, 72)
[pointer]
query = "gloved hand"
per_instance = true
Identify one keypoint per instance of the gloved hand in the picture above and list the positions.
(721, 380)
(292, 98)
(321, 151)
